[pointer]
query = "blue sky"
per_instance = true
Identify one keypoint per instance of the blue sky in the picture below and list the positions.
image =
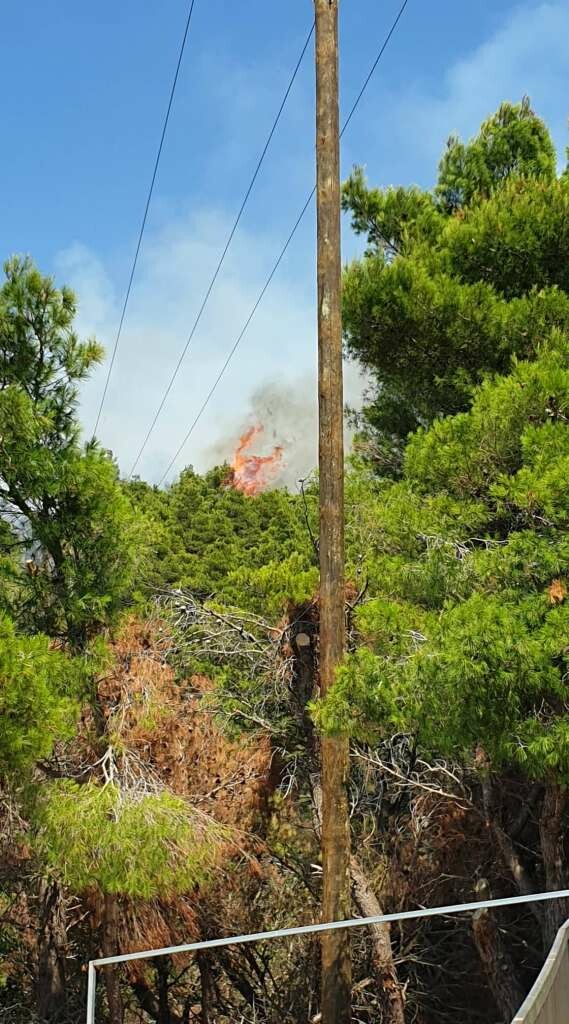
(84, 89)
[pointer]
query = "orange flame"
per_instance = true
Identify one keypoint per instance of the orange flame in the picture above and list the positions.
(252, 473)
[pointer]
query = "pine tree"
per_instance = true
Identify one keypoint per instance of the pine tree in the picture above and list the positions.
(64, 501)
(458, 281)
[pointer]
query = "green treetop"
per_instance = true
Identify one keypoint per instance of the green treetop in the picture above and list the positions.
(513, 142)
(63, 501)
(450, 290)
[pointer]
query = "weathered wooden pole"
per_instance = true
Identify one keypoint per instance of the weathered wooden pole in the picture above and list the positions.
(336, 963)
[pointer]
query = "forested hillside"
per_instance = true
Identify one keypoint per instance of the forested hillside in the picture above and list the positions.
(159, 698)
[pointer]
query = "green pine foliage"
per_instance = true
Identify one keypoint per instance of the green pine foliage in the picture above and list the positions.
(465, 640)
(393, 220)
(515, 424)
(513, 142)
(516, 241)
(141, 846)
(250, 552)
(39, 698)
(464, 322)
(474, 273)
(41, 356)
(63, 499)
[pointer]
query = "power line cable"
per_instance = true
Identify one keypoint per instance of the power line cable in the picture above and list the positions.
(282, 252)
(145, 216)
(223, 254)
(371, 72)
(239, 337)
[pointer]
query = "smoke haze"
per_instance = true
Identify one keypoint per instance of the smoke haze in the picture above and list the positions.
(288, 413)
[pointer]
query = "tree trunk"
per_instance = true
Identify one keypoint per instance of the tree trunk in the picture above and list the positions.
(389, 990)
(110, 948)
(526, 885)
(52, 941)
(552, 834)
(205, 984)
(496, 961)
(236, 977)
(162, 976)
(149, 1003)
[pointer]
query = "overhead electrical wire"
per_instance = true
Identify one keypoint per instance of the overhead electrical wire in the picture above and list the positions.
(224, 253)
(239, 338)
(145, 215)
(281, 255)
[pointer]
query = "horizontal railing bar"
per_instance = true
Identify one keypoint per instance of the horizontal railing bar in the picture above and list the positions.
(311, 929)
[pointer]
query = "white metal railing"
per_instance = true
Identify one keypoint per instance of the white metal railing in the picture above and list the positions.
(309, 929)
(548, 1000)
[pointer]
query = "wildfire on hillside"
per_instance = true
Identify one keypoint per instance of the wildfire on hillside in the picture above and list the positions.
(251, 473)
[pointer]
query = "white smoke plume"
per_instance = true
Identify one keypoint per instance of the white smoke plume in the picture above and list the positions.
(288, 412)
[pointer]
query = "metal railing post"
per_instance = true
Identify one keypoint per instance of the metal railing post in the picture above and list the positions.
(308, 929)
(91, 993)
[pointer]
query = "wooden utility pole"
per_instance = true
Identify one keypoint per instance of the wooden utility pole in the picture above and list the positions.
(336, 963)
